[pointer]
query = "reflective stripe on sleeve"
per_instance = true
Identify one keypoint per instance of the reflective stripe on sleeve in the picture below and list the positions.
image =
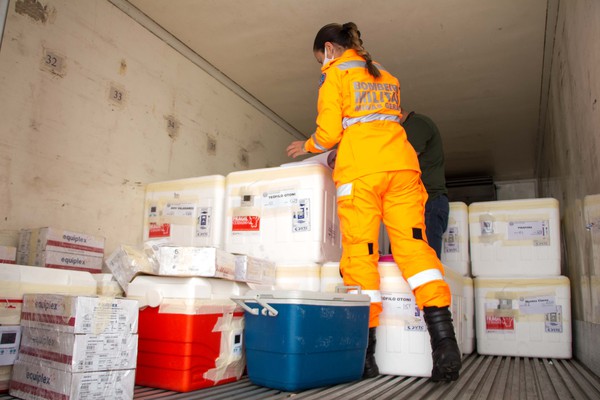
(375, 295)
(346, 122)
(317, 144)
(357, 64)
(423, 277)
(344, 190)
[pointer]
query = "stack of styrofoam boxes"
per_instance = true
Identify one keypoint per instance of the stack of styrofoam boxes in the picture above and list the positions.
(17, 280)
(522, 303)
(190, 332)
(76, 347)
(56, 248)
(286, 215)
(403, 346)
(455, 255)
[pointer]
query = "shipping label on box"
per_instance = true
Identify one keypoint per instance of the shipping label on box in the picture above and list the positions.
(35, 382)
(196, 261)
(10, 337)
(80, 314)
(79, 352)
(8, 254)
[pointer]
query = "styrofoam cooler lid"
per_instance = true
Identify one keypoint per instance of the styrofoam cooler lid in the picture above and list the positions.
(153, 290)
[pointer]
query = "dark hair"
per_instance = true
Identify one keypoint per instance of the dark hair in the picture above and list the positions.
(347, 36)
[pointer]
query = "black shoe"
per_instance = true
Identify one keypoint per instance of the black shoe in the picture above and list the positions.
(444, 349)
(371, 369)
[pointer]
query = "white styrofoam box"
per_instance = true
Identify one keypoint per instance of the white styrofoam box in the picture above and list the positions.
(403, 345)
(254, 270)
(10, 337)
(515, 237)
(153, 291)
(125, 262)
(523, 316)
(35, 241)
(80, 314)
(306, 276)
(331, 277)
(455, 241)
(8, 254)
(195, 261)
(283, 214)
(30, 380)
(469, 320)
(17, 280)
(78, 353)
(108, 285)
(189, 212)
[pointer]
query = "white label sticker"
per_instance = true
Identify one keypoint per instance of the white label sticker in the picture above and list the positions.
(537, 304)
(528, 230)
(553, 320)
(403, 306)
(280, 198)
(203, 223)
(301, 216)
(180, 210)
(451, 240)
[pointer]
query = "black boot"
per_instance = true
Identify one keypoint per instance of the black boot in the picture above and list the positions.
(371, 369)
(444, 349)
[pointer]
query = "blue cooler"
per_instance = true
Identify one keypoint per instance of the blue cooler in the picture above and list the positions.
(297, 340)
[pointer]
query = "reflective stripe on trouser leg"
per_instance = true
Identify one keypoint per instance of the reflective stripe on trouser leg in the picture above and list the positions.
(404, 217)
(359, 210)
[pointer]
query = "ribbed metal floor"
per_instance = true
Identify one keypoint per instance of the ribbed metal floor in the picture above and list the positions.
(482, 377)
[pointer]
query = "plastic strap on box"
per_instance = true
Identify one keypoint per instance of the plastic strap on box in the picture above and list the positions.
(231, 361)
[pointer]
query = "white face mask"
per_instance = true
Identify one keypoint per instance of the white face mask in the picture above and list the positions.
(326, 60)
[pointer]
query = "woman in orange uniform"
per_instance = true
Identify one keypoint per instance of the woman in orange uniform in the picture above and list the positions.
(377, 177)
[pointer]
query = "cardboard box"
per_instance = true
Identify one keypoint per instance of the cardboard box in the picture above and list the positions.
(10, 337)
(80, 314)
(78, 353)
(254, 270)
(35, 241)
(34, 382)
(196, 261)
(125, 262)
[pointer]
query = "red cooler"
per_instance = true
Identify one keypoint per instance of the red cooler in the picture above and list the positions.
(191, 341)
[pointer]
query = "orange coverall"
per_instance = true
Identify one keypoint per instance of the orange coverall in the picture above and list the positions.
(377, 176)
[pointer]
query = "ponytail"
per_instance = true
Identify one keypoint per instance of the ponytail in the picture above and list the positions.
(350, 29)
(347, 36)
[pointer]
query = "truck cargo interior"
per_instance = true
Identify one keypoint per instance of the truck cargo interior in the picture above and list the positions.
(100, 98)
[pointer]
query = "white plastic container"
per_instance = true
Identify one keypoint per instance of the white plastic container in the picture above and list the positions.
(455, 241)
(188, 212)
(306, 276)
(283, 214)
(17, 280)
(515, 237)
(403, 345)
(469, 316)
(525, 317)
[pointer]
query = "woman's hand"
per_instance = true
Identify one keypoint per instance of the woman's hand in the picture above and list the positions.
(296, 149)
